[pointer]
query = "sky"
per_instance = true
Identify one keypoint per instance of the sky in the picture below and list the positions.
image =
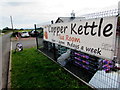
(26, 13)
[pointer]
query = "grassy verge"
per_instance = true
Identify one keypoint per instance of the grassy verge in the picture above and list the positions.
(5, 33)
(31, 69)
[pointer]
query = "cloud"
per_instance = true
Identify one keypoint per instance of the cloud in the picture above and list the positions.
(39, 11)
(17, 3)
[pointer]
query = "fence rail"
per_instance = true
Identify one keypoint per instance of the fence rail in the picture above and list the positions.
(113, 12)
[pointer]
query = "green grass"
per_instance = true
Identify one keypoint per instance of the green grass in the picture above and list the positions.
(31, 69)
(27, 30)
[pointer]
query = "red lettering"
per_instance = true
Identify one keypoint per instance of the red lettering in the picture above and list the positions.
(72, 39)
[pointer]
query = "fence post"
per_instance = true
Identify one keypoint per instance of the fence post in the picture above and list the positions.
(36, 36)
(54, 52)
(118, 55)
(119, 34)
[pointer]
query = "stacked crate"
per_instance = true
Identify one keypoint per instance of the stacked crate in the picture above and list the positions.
(85, 61)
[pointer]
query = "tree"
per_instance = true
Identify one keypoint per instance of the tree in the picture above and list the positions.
(21, 29)
(6, 28)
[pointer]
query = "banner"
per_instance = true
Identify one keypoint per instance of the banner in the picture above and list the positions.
(92, 36)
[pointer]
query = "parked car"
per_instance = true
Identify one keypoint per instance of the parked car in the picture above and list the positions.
(16, 34)
(33, 33)
(25, 34)
(41, 34)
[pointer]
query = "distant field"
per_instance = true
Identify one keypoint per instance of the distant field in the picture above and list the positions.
(24, 30)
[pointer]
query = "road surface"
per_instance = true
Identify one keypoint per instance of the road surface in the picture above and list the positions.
(0, 62)
(5, 58)
(26, 42)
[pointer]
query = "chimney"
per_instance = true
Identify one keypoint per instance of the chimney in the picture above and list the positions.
(72, 15)
(52, 22)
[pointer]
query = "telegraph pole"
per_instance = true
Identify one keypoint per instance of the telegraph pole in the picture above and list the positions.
(11, 23)
(118, 56)
(119, 8)
(118, 53)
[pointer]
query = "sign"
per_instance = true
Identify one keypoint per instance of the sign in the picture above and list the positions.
(93, 36)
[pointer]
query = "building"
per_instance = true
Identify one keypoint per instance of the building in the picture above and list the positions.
(69, 19)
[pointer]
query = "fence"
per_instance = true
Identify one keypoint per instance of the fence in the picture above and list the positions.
(113, 12)
(87, 67)
(101, 79)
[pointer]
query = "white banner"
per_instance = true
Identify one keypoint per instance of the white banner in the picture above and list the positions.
(93, 36)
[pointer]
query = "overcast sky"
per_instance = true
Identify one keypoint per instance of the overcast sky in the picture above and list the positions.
(26, 13)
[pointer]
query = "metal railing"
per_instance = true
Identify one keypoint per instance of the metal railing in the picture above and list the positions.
(113, 12)
(101, 79)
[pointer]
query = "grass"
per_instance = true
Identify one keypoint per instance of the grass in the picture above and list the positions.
(24, 30)
(0, 35)
(27, 30)
(31, 69)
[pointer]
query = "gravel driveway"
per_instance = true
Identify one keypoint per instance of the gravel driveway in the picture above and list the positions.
(26, 42)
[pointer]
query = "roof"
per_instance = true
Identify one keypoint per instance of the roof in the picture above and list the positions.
(68, 19)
